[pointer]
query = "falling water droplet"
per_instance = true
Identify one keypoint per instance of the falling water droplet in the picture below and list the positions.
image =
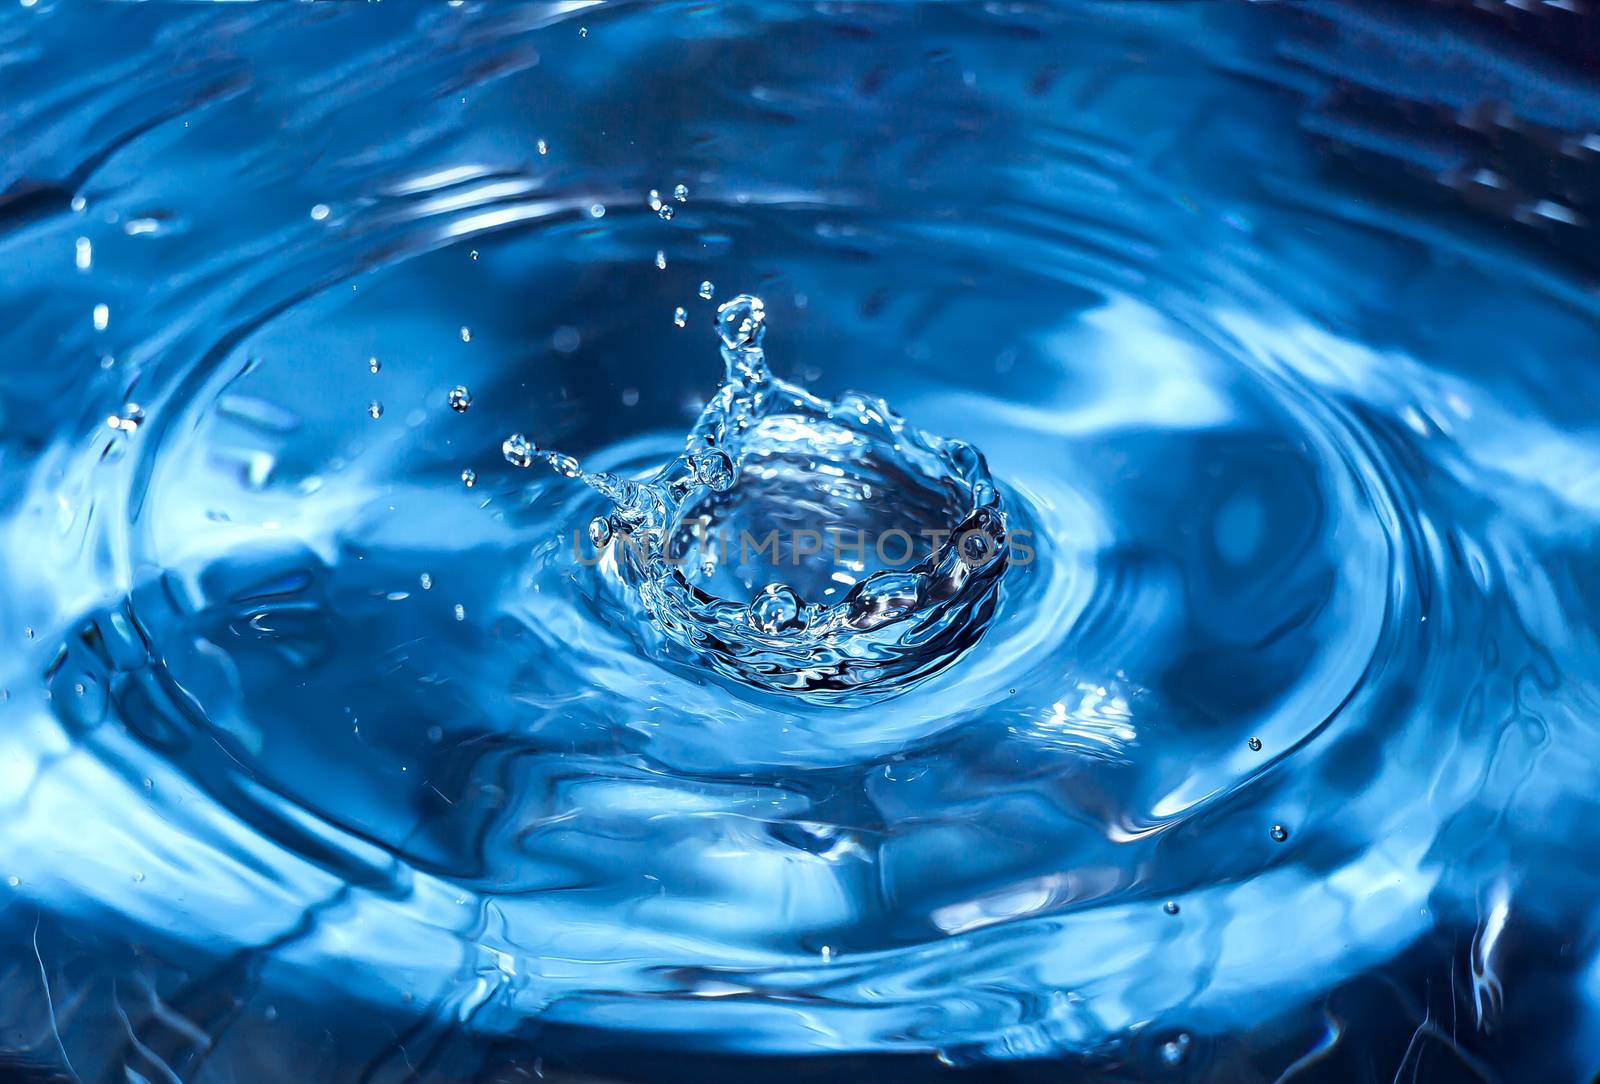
(583, 31)
(1171, 907)
(102, 317)
(775, 609)
(707, 290)
(597, 210)
(1255, 745)
(1279, 833)
(655, 200)
(518, 450)
(375, 410)
(459, 398)
(473, 254)
(599, 531)
(319, 212)
(680, 316)
(681, 192)
(83, 254)
(741, 322)
(129, 420)
(461, 612)
(469, 477)
(661, 260)
(466, 334)
(666, 212)
(426, 581)
(373, 365)
(544, 148)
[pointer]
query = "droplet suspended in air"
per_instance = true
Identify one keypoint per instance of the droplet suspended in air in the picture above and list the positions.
(1175, 1050)
(661, 260)
(518, 450)
(83, 254)
(319, 212)
(707, 290)
(599, 531)
(681, 192)
(102, 317)
(741, 322)
(1279, 833)
(129, 420)
(544, 148)
(597, 210)
(469, 477)
(666, 212)
(459, 398)
(466, 334)
(1255, 745)
(374, 410)
(1171, 907)
(680, 316)
(426, 581)
(655, 200)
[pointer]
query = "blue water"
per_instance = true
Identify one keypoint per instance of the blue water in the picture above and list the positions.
(1273, 758)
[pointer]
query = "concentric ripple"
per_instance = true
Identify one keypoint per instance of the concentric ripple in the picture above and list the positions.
(1255, 745)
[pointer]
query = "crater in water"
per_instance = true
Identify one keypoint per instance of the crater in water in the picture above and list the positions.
(824, 548)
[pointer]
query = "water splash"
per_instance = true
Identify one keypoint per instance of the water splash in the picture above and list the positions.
(776, 482)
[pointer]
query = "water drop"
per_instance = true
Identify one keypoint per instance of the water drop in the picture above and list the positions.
(79, 204)
(466, 334)
(564, 465)
(714, 470)
(680, 316)
(474, 255)
(1171, 907)
(741, 322)
(426, 581)
(319, 212)
(661, 260)
(681, 192)
(13, 881)
(459, 398)
(373, 365)
(583, 31)
(544, 148)
(597, 210)
(375, 410)
(461, 612)
(84, 254)
(666, 212)
(1279, 833)
(102, 317)
(518, 450)
(599, 531)
(1255, 745)
(1175, 1050)
(655, 200)
(707, 290)
(775, 609)
(469, 477)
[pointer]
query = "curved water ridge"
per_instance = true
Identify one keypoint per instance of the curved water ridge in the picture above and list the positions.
(1267, 757)
(848, 483)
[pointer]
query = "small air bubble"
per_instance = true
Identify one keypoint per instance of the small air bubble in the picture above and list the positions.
(469, 477)
(707, 290)
(1175, 1050)
(680, 316)
(374, 410)
(426, 581)
(459, 399)
(681, 192)
(461, 612)
(466, 334)
(597, 210)
(1279, 833)
(544, 148)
